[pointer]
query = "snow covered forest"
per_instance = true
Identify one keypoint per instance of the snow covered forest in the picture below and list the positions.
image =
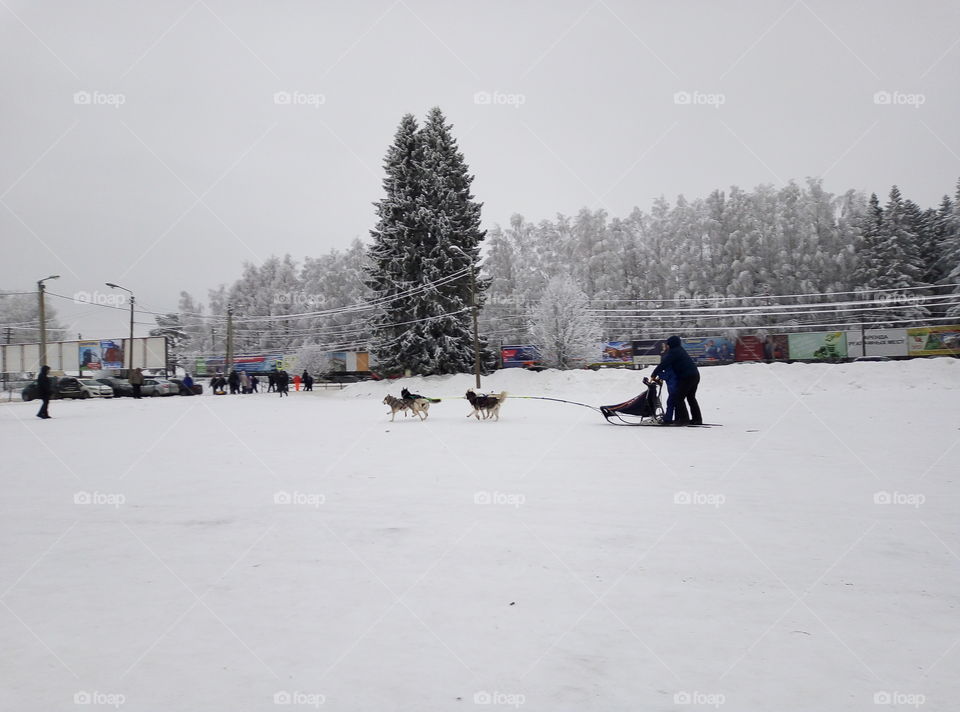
(720, 263)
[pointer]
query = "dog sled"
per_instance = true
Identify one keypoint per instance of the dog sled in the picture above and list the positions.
(644, 409)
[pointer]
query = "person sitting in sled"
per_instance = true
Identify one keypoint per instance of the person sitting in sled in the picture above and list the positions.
(688, 378)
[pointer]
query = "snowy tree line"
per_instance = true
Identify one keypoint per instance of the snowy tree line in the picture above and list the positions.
(726, 250)
(731, 249)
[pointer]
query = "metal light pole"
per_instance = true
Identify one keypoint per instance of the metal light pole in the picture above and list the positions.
(130, 344)
(43, 320)
(228, 361)
(476, 337)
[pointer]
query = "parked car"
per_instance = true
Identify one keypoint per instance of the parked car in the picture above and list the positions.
(197, 388)
(120, 386)
(159, 387)
(94, 389)
(59, 388)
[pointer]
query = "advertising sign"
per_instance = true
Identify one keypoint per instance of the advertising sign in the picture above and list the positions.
(519, 356)
(818, 345)
(112, 354)
(776, 347)
(934, 340)
(90, 357)
(749, 348)
(709, 349)
(617, 352)
(880, 342)
(647, 351)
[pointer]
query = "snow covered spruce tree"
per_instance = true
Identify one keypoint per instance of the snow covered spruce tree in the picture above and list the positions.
(568, 334)
(428, 230)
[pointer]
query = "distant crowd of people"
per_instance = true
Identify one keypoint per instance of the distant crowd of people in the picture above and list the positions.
(278, 381)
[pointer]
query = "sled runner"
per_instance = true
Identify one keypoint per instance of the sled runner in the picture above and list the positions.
(645, 409)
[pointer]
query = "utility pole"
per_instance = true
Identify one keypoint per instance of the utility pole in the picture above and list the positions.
(43, 320)
(228, 361)
(9, 336)
(130, 344)
(476, 336)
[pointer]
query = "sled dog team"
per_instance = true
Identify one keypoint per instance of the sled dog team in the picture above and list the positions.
(487, 406)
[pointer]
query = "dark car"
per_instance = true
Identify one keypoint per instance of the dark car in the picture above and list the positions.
(120, 386)
(197, 388)
(59, 388)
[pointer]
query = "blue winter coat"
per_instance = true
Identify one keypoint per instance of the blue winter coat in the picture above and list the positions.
(678, 360)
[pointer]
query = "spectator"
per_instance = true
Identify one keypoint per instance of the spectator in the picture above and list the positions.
(136, 380)
(44, 391)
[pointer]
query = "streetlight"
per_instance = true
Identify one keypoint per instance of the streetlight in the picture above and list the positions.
(130, 345)
(43, 320)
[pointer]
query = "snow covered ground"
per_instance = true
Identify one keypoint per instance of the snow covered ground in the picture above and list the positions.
(252, 553)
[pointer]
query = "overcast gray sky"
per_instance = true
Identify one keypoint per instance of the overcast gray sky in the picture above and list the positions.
(160, 145)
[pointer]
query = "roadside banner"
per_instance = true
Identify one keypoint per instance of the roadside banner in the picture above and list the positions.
(617, 352)
(519, 356)
(880, 342)
(934, 340)
(818, 345)
(90, 357)
(112, 354)
(749, 348)
(647, 351)
(710, 349)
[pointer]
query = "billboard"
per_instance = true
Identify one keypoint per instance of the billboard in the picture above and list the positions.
(818, 346)
(647, 351)
(519, 356)
(776, 347)
(880, 342)
(112, 354)
(617, 352)
(749, 348)
(148, 352)
(709, 349)
(90, 358)
(934, 340)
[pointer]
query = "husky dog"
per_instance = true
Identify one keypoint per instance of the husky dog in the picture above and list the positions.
(487, 405)
(417, 406)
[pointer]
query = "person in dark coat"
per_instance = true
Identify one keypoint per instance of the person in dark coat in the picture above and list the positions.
(307, 380)
(136, 381)
(283, 383)
(234, 380)
(688, 378)
(187, 383)
(271, 381)
(44, 392)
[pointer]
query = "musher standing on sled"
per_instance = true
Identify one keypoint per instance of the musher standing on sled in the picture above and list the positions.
(687, 379)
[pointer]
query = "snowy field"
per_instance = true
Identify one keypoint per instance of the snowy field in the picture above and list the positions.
(252, 553)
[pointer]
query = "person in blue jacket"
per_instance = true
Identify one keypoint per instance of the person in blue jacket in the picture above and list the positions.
(671, 380)
(687, 379)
